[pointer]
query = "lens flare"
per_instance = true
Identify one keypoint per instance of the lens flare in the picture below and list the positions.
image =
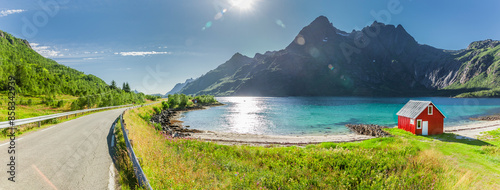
(314, 52)
(330, 66)
(300, 40)
(280, 23)
(242, 4)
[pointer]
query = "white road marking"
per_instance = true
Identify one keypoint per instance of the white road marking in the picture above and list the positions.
(48, 128)
(111, 183)
(9, 142)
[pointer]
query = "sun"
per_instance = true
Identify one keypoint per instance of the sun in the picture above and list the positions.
(242, 4)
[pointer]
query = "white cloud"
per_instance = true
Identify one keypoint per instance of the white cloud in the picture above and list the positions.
(142, 53)
(9, 12)
(92, 58)
(46, 51)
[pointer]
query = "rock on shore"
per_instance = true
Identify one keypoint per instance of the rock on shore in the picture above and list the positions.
(169, 125)
(368, 129)
(487, 118)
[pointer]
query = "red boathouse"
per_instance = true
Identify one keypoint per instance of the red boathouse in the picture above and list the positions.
(421, 118)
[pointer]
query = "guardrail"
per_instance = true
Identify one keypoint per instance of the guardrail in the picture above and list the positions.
(6, 124)
(139, 173)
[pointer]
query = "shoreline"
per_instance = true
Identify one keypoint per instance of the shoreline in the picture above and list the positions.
(469, 130)
(473, 130)
(263, 140)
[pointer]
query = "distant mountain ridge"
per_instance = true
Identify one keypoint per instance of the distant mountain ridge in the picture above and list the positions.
(379, 60)
(178, 87)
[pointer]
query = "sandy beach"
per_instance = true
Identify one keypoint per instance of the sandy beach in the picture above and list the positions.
(253, 139)
(472, 130)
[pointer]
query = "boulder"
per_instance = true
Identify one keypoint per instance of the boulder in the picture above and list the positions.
(368, 129)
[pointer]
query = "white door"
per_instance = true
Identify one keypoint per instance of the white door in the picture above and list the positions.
(425, 127)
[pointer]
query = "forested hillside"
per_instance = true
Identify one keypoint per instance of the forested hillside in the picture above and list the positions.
(38, 77)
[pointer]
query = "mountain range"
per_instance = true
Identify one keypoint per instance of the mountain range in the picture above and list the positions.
(379, 60)
(178, 87)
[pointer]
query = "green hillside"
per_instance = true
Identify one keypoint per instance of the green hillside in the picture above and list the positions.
(480, 69)
(37, 75)
(42, 81)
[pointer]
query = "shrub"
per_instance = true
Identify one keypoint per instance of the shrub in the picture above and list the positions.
(74, 105)
(60, 103)
(158, 126)
(21, 102)
(165, 105)
(157, 110)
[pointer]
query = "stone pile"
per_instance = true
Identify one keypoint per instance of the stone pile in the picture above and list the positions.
(487, 118)
(169, 127)
(368, 129)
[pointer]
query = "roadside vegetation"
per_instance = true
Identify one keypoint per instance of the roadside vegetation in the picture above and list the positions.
(182, 101)
(404, 161)
(123, 163)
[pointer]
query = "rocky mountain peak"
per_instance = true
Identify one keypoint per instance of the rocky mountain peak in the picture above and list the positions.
(385, 60)
(489, 43)
(313, 33)
(238, 56)
(319, 25)
(321, 20)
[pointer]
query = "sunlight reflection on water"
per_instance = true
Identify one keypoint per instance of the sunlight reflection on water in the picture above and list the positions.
(320, 115)
(244, 115)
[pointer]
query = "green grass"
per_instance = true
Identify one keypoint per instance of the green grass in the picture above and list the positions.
(36, 109)
(404, 161)
(124, 165)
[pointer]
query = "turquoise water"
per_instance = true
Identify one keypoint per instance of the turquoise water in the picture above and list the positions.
(322, 115)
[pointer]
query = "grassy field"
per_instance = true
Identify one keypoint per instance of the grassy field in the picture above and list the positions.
(37, 108)
(404, 161)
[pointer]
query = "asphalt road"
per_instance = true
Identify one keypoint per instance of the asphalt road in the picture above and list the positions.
(72, 155)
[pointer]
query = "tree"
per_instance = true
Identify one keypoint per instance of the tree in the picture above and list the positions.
(113, 85)
(126, 87)
(183, 100)
(165, 105)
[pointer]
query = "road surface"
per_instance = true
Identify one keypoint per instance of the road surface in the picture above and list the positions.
(72, 155)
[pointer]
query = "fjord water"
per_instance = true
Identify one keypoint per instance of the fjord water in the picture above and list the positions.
(322, 115)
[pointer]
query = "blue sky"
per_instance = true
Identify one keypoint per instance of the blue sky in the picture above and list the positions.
(155, 44)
